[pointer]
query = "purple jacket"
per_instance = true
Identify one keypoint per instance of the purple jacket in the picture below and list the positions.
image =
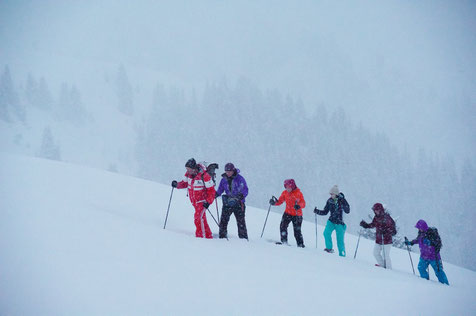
(238, 185)
(427, 251)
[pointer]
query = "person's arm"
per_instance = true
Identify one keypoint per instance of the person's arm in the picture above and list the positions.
(300, 201)
(281, 199)
(343, 202)
(244, 190)
(221, 187)
(209, 187)
(325, 211)
(183, 184)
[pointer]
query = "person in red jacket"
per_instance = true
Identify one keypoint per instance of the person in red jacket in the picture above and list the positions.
(201, 191)
(293, 212)
(385, 230)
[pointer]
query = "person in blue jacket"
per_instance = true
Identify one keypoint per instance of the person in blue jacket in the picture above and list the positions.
(236, 190)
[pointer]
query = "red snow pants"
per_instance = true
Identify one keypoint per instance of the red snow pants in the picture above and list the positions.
(202, 229)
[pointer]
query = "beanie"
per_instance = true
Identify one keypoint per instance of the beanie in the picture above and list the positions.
(229, 167)
(191, 163)
(334, 190)
(290, 183)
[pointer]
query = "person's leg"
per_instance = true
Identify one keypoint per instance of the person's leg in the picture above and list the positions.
(378, 254)
(423, 268)
(297, 223)
(283, 227)
(225, 217)
(328, 234)
(197, 217)
(240, 221)
(340, 232)
(440, 274)
(388, 261)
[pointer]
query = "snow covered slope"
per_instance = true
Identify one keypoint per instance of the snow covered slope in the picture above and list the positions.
(79, 241)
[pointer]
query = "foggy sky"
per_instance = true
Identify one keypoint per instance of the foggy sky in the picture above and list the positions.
(403, 67)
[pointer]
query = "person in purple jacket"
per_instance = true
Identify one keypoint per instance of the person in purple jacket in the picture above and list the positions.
(428, 254)
(234, 185)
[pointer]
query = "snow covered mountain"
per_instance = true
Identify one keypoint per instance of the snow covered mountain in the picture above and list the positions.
(80, 241)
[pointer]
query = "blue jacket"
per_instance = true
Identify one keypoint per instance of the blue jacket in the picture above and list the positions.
(233, 186)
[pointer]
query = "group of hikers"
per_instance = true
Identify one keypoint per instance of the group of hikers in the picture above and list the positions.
(234, 190)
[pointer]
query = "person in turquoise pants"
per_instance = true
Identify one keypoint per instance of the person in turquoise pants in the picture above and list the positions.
(336, 205)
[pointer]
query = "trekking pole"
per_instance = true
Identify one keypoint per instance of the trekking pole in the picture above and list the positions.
(384, 258)
(216, 203)
(358, 241)
(408, 248)
(315, 220)
(269, 209)
(213, 217)
(170, 200)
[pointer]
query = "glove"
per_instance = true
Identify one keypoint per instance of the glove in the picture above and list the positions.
(272, 201)
(174, 184)
(240, 196)
(408, 243)
(341, 196)
(363, 224)
(316, 210)
(297, 207)
(206, 204)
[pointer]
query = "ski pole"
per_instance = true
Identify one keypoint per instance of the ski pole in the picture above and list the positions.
(315, 220)
(168, 208)
(213, 217)
(269, 208)
(358, 241)
(216, 203)
(408, 248)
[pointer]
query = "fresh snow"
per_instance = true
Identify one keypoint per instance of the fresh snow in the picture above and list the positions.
(80, 241)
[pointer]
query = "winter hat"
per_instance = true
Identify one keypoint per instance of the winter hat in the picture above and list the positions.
(191, 163)
(422, 225)
(334, 190)
(229, 167)
(290, 183)
(378, 208)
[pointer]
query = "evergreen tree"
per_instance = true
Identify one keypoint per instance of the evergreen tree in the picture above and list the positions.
(49, 149)
(9, 100)
(124, 92)
(70, 106)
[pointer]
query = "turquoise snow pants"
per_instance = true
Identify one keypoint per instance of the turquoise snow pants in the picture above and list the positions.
(340, 231)
(437, 267)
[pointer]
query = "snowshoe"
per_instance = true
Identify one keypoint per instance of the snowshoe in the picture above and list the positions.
(329, 250)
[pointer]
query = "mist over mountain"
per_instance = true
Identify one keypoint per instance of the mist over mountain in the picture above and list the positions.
(378, 98)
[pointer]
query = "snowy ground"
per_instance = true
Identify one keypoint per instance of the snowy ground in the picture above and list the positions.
(79, 241)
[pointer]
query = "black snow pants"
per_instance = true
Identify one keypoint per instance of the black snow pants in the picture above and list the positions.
(239, 212)
(297, 222)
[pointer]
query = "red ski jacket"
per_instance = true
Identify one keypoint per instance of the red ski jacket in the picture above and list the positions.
(200, 187)
(292, 198)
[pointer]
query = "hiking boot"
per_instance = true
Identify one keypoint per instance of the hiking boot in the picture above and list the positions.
(300, 246)
(329, 250)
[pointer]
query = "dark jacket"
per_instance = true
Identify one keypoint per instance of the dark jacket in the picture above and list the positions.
(233, 185)
(336, 207)
(385, 226)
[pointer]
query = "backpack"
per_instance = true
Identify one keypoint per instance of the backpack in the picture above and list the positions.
(210, 168)
(434, 238)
